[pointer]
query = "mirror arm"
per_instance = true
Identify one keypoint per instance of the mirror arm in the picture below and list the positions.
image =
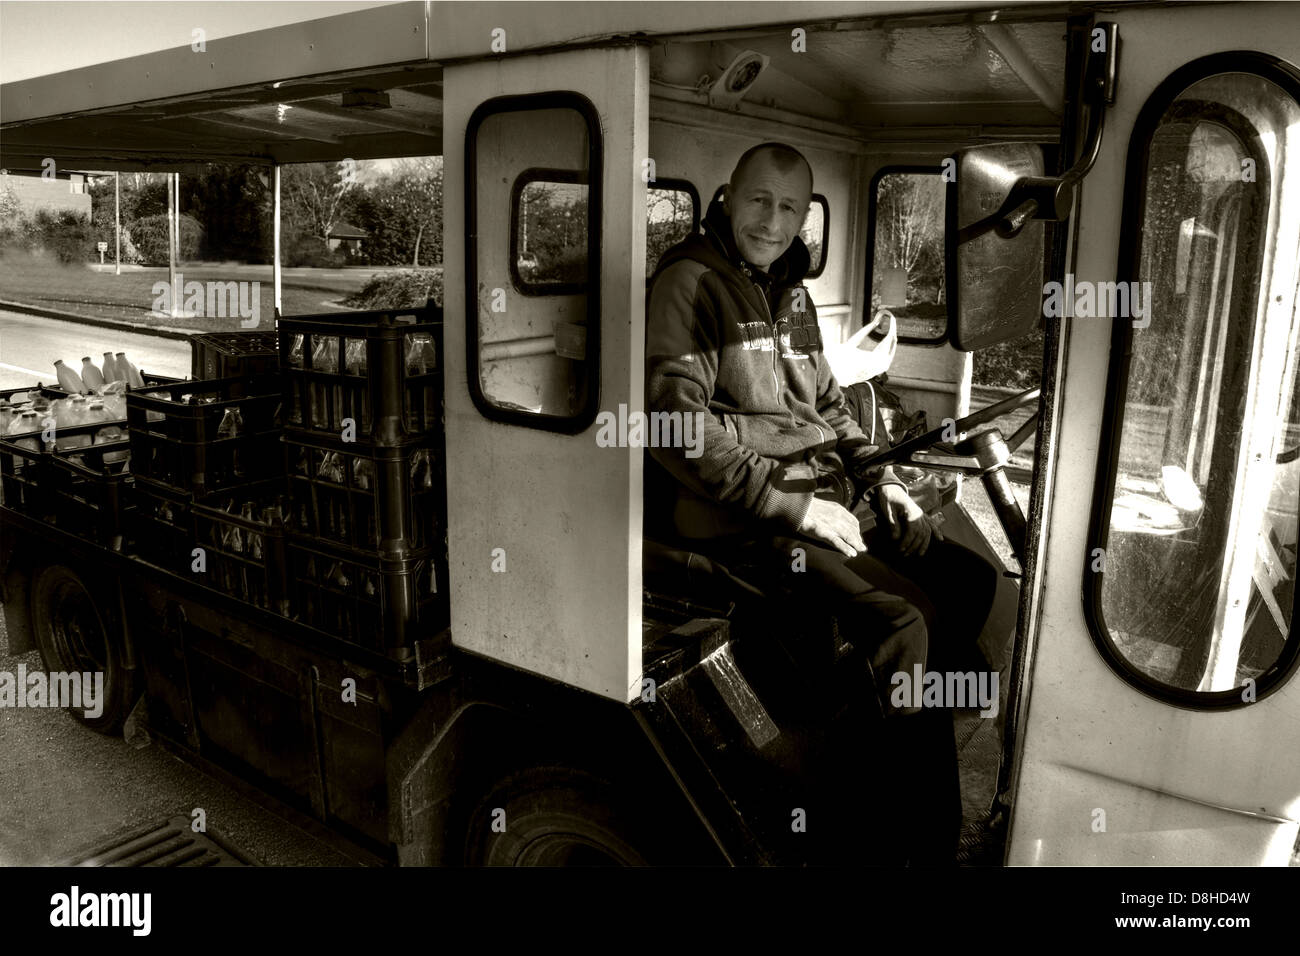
(1052, 197)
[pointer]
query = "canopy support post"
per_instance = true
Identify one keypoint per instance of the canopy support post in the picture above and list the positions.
(173, 245)
(275, 232)
(117, 223)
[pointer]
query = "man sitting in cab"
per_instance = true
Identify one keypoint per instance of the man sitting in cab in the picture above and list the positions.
(732, 333)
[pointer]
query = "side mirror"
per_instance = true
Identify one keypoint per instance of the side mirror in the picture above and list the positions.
(994, 255)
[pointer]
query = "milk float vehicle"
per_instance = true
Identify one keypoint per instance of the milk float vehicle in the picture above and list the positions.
(465, 645)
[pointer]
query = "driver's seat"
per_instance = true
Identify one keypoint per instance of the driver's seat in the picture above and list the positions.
(671, 567)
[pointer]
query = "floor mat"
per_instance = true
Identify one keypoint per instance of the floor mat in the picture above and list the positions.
(979, 749)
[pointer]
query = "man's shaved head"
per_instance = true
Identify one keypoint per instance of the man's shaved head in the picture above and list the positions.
(785, 158)
(767, 201)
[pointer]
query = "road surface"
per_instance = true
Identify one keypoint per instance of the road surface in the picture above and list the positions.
(29, 345)
(63, 788)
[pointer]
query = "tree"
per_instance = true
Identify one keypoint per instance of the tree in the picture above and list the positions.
(11, 215)
(909, 228)
(231, 202)
(669, 214)
(151, 237)
(421, 195)
(401, 213)
(312, 196)
(143, 194)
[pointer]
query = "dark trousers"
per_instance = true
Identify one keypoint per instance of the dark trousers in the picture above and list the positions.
(896, 612)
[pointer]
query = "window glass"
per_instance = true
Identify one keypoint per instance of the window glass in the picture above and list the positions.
(907, 268)
(671, 216)
(816, 226)
(533, 281)
(551, 235)
(1198, 584)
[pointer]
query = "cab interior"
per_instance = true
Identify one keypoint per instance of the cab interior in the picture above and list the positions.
(864, 101)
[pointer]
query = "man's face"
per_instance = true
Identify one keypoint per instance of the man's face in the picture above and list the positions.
(767, 207)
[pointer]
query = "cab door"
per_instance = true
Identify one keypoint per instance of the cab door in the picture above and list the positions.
(544, 302)
(1162, 717)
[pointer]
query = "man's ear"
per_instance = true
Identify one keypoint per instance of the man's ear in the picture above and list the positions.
(726, 199)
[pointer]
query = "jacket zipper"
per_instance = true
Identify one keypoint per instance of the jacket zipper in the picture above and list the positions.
(771, 320)
(821, 435)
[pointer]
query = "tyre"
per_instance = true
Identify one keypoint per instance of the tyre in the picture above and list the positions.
(75, 633)
(557, 816)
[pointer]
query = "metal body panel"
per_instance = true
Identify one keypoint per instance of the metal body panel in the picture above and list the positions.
(397, 33)
(566, 512)
(464, 30)
(1092, 741)
(391, 34)
(273, 95)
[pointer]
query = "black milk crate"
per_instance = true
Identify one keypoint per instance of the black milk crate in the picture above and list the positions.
(72, 482)
(381, 604)
(226, 354)
(245, 552)
(16, 491)
(177, 440)
(381, 370)
(162, 529)
(91, 483)
(387, 501)
(26, 475)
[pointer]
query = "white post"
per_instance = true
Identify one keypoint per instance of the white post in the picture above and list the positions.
(176, 211)
(117, 222)
(172, 247)
(275, 232)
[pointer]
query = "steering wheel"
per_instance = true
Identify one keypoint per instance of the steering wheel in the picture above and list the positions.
(933, 439)
(984, 454)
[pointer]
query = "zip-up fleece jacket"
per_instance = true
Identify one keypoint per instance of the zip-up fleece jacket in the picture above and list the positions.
(743, 347)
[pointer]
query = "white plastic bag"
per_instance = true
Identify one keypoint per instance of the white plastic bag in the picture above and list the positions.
(850, 363)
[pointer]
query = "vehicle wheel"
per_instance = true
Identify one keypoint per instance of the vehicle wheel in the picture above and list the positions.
(556, 816)
(73, 634)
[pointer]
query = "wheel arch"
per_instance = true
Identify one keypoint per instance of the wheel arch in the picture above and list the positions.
(15, 589)
(453, 750)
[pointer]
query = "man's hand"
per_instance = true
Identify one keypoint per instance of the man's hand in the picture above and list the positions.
(905, 517)
(833, 523)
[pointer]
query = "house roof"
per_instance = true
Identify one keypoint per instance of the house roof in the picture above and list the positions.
(345, 230)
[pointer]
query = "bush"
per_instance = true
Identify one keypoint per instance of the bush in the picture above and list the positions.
(150, 237)
(399, 290)
(1014, 364)
(567, 265)
(304, 251)
(11, 218)
(66, 234)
